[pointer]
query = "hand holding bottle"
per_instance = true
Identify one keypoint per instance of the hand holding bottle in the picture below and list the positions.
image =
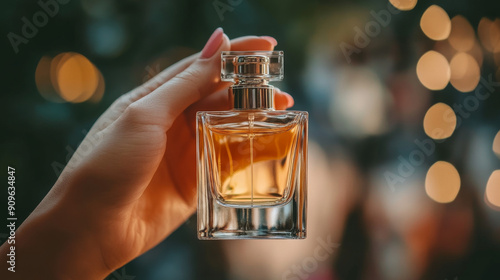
(138, 183)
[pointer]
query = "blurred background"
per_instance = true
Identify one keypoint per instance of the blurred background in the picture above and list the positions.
(404, 102)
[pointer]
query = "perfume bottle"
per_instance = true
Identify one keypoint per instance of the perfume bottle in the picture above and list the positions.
(252, 159)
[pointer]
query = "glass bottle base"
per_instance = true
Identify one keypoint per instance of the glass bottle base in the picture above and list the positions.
(278, 222)
(254, 234)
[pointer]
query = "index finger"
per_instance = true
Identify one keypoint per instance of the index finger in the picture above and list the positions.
(245, 43)
(251, 43)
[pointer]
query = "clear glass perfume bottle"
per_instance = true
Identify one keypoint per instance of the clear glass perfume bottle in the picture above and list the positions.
(252, 160)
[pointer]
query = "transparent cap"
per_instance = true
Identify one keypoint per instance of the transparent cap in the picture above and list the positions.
(266, 65)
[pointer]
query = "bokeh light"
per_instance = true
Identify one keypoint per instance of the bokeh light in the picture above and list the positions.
(465, 72)
(360, 103)
(443, 47)
(477, 53)
(352, 65)
(493, 189)
(462, 34)
(435, 23)
(440, 121)
(495, 35)
(57, 61)
(496, 144)
(43, 81)
(484, 34)
(77, 78)
(433, 70)
(69, 77)
(442, 182)
(99, 92)
(404, 5)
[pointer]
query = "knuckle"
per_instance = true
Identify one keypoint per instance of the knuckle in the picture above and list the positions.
(188, 76)
(133, 112)
(189, 82)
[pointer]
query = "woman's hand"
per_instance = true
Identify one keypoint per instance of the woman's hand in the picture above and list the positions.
(132, 181)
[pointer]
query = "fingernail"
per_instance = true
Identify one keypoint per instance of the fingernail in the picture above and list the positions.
(271, 40)
(213, 43)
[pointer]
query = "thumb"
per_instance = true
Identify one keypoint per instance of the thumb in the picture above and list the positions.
(202, 77)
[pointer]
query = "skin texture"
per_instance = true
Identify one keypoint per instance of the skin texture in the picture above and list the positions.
(132, 181)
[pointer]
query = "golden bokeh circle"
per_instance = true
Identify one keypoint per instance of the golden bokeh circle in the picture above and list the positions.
(465, 72)
(442, 182)
(43, 80)
(493, 189)
(404, 5)
(483, 32)
(496, 144)
(440, 121)
(462, 36)
(495, 35)
(69, 77)
(435, 23)
(77, 78)
(433, 70)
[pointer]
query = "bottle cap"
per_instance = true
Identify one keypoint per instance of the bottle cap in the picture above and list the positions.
(239, 66)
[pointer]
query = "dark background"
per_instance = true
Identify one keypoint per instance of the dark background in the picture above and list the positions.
(129, 41)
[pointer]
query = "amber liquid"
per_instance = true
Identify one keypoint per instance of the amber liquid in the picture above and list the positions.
(254, 163)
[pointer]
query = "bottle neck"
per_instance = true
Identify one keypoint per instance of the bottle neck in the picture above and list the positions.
(252, 96)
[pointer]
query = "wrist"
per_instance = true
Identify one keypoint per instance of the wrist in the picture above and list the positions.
(48, 245)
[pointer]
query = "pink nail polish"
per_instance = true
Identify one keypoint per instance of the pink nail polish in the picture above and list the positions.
(213, 43)
(271, 40)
